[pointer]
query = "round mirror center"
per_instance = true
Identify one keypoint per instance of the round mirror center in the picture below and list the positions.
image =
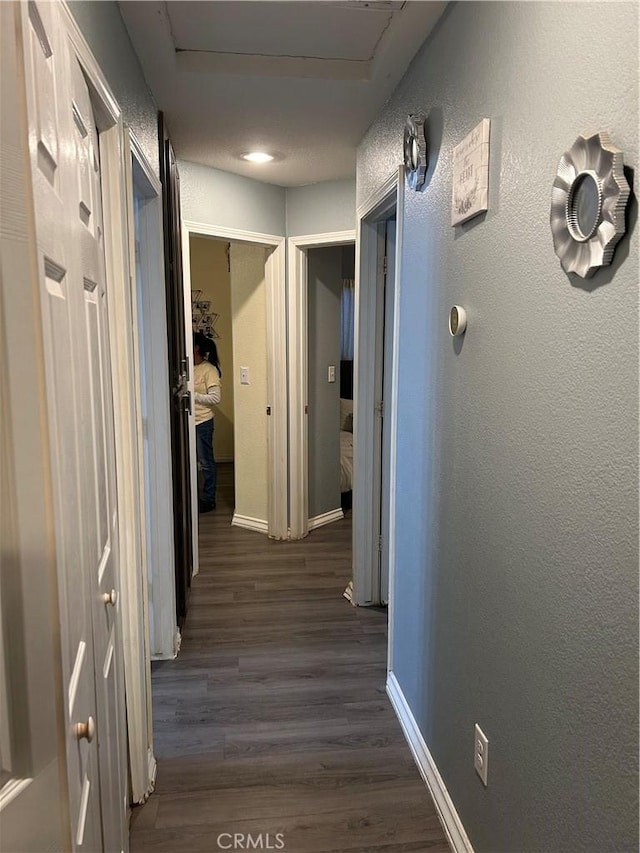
(584, 206)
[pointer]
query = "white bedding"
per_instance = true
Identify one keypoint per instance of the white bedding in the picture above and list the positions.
(346, 461)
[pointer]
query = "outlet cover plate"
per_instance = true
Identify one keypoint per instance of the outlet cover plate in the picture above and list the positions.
(481, 754)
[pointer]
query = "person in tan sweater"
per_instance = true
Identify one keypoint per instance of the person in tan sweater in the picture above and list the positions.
(207, 377)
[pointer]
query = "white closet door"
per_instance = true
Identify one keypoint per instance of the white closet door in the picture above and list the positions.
(52, 155)
(66, 172)
(97, 440)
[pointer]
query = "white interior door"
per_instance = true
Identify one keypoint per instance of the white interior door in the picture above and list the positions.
(387, 373)
(99, 470)
(65, 167)
(62, 300)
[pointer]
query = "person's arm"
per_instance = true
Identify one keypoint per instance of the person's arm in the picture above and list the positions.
(211, 398)
(213, 395)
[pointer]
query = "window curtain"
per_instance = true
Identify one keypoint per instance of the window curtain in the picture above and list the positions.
(347, 319)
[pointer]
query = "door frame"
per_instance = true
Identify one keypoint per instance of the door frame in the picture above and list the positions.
(386, 199)
(297, 307)
(124, 345)
(275, 282)
(157, 550)
(162, 628)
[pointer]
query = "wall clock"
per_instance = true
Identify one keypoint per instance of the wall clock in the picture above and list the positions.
(415, 150)
(588, 202)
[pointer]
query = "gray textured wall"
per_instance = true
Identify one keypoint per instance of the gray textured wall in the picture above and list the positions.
(516, 591)
(105, 32)
(221, 198)
(320, 208)
(324, 294)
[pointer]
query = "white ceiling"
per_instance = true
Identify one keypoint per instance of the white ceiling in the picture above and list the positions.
(302, 80)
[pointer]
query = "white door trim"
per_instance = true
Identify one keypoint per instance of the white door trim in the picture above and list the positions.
(160, 614)
(386, 199)
(157, 550)
(393, 414)
(299, 524)
(124, 345)
(275, 282)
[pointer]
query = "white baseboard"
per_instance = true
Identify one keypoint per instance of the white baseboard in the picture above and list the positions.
(257, 524)
(447, 813)
(326, 518)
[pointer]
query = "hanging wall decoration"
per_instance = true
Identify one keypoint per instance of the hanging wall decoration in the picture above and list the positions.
(471, 174)
(203, 318)
(415, 150)
(588, 202)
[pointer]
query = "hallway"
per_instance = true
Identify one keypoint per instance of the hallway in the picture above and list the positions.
(274, 718)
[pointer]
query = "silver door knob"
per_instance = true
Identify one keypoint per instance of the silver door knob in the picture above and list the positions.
(86, 730)
(110, 597)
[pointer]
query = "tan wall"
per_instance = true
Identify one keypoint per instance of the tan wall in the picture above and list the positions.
(248, 300)
(210, 273)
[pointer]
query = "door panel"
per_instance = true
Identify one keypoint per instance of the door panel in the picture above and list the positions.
(99, 452)
(53, 175)
(64, 147)
(178, 373)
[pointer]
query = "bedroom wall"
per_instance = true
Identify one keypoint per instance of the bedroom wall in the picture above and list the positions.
(210, 274)
(324, 294)
(248, 305)
(516, 588)
(103, 28)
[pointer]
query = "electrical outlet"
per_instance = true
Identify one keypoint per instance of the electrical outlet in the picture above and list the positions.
(331, 373)
(481, 754)
(244, 376)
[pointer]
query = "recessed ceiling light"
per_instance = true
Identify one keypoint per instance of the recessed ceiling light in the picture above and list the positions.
(257, 157)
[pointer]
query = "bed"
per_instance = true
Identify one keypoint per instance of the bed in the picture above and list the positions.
(346, 445)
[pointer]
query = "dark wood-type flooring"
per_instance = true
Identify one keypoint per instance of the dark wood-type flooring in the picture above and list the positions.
(274, 717)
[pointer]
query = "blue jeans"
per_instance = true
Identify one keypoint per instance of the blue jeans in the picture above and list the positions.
(204, 453)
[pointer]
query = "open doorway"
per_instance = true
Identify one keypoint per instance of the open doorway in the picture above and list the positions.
(320, 266)
(234, 288)
(212, 317)
(330, 329)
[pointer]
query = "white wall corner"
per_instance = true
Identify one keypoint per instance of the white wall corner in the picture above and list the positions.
(447, 813)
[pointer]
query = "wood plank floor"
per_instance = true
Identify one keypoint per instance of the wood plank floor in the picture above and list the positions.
(274, 717)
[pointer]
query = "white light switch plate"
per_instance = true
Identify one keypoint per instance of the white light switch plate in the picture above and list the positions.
(244, 376)
(331, 373)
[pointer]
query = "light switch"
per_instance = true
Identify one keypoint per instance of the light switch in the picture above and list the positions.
(331, 373)
(244, 376)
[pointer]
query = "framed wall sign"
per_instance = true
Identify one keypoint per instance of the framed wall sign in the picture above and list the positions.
(471, 174)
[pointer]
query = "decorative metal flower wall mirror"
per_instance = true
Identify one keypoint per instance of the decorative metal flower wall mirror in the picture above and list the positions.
(588, 202)
(415, 151)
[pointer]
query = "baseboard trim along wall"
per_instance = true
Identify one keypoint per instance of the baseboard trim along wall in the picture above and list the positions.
(257, 524)
(447, 813)
(325, 518)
